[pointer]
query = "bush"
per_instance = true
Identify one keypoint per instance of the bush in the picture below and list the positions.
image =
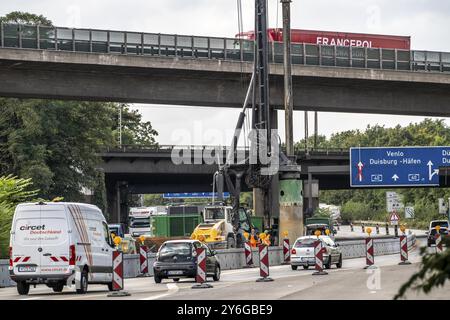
(12, 192)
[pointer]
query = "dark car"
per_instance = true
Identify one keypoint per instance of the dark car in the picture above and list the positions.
(432, 235)
(177, 259)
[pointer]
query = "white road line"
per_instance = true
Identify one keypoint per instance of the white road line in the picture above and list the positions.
(172, 287)
(32, 298)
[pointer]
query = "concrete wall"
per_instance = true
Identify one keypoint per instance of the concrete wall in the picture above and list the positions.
(5, 281)
(235, 258)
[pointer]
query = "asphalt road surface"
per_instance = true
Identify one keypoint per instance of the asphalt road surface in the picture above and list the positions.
(349, 282)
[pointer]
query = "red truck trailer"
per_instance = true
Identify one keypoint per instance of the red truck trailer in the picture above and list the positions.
(344, 39)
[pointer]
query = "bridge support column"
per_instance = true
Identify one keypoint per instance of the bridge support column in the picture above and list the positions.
(291, 205)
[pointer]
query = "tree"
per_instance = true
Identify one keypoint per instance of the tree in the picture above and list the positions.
(19, 17)
(434, 272)
(12, 192)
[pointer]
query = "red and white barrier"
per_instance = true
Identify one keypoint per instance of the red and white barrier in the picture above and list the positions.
(286, 251)
(370, 258)
(438, 243)
(201, 266)
(143, 259)
(200, 278)
(117, 271)
(264, 264)
(404, 250)
(248, 254)
(318, 256)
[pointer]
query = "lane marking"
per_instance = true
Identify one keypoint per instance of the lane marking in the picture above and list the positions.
(172, 289)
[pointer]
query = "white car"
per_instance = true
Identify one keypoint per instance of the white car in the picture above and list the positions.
(302, 252)
(60, 244)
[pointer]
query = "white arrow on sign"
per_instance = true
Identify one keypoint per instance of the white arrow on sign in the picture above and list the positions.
(431, 172)
(360, 166)
(395, 177)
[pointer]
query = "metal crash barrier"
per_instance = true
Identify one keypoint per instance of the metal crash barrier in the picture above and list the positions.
(193, 47)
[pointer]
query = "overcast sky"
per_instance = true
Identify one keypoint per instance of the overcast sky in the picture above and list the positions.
(426, 21)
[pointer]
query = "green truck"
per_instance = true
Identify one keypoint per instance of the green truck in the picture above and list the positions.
(318, 223)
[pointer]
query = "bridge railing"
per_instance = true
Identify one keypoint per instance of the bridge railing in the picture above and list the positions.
(195, 47)
(169, 148)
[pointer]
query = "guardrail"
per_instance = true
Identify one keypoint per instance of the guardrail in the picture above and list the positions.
(235, 258)
(195, 47)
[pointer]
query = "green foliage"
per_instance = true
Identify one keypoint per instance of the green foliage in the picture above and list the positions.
(322, 212)
(12, 192)
(434, 271)
(353, 210)
(55, 142)
(25, 18)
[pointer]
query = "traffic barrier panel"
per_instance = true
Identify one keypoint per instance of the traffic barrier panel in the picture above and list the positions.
(264, 264)
(370, 258)
(200, 278)
(286, 251)
(248, 255)
(438, 243)
(318, 255)
(143, 260)
(117, 276)
(404, 250)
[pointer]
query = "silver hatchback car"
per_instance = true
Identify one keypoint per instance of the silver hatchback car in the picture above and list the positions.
(302, 252)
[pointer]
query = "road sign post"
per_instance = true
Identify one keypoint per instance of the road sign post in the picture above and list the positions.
(264, 264)
(200, 278)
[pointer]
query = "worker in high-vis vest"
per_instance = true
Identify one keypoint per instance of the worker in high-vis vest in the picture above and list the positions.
(267, 238)
(253, 239)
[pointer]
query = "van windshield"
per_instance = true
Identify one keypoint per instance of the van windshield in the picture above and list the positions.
(140, 222)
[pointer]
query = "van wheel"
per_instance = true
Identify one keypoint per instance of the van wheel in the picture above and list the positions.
(306, 267)
(110, 286)
(59, 287)
(157, 279)
(328, 265)
(293, 267)
(230, 242)
(23, 288)
(83, 282)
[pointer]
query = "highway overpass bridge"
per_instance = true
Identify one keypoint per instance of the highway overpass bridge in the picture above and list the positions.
(102, 65)
(137, 170)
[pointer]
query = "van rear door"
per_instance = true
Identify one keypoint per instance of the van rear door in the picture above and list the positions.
(55, 240)
(26, 240)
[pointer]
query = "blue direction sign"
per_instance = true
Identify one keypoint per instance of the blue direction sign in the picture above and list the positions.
(193, 195)
(397, 166)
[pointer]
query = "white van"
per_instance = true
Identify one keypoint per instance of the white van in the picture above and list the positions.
(58, 244)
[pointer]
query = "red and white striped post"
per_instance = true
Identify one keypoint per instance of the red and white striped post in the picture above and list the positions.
(200, 278)
(143, 260)
(438, 242)
(370, 258)
(318, 255)
(404, 250)
(264, 264)
(248, 255)
(117, 275)
(286, 251)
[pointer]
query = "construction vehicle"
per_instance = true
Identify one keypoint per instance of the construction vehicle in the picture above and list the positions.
(217, 229)
(319, 223)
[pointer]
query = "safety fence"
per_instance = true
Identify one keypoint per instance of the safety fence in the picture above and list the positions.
(198, 47)
(235, 258)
